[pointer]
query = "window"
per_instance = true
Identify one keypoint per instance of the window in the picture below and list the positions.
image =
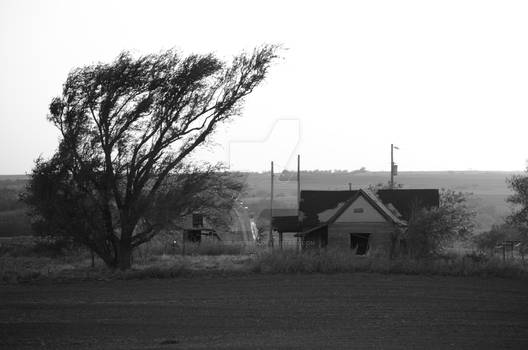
(359, 242)
(197, 220)
(358, 210)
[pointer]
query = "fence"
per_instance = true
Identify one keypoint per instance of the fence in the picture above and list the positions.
(168, 245)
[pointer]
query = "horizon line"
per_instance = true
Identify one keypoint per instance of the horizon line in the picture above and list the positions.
(357, 171)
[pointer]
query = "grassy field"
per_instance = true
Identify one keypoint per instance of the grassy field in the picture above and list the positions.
(230, 297)
(14, 223)
(340, 311)
(24, 260)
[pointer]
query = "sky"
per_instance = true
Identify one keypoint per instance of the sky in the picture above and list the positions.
(445, 81)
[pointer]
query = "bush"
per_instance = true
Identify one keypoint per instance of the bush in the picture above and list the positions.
(430, 230)
(52, 247)
(487, 241)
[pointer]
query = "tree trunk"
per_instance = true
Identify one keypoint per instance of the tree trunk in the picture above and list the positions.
(124, 256)
(124, 251)
(106, 250)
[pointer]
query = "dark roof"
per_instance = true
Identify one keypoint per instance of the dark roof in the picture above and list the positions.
(286, 223)
(317, 207)
(313, 230)
(265, 213)
(405, 200)
(284, 219)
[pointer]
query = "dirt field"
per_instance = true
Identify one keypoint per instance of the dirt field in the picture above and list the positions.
(268, 312)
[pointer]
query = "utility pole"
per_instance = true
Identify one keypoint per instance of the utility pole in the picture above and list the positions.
(298, 184)
(394, 167)
(298, 197)
(391, 184)
(271, 211)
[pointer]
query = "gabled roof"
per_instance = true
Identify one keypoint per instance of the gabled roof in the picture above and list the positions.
(406, 200)
(375, 202)
(317, 207)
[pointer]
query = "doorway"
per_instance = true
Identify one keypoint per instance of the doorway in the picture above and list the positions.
(359, 242)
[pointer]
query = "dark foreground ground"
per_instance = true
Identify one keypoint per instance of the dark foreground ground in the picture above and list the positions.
(268, 312)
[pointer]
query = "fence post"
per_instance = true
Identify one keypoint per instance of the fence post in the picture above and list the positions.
(183, 243)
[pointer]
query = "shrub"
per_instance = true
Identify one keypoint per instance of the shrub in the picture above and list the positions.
(52, 247)
(487, 241)
(430, 230)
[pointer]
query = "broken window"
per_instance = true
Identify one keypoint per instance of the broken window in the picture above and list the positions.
(359, 242)
(197, 220)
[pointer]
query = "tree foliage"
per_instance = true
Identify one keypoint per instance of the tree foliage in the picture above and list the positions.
(210, 191)
(126, 128)
(519, 199)
(488, 241)
(430, 230)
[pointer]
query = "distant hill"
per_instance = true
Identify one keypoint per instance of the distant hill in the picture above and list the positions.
(13, 177)
(488, 187)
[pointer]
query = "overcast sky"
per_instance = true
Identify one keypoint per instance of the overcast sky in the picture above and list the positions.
(446, 81)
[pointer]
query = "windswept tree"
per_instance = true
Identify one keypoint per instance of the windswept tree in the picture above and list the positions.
(127, 128)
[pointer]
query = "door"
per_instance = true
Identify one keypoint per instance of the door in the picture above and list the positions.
(359, 242)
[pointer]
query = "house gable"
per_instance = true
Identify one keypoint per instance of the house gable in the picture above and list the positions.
(360, 210)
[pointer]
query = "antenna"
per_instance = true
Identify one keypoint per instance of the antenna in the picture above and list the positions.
(394, 167)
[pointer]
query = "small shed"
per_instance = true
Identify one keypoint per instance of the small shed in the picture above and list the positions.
(196, 227)
(285, 221)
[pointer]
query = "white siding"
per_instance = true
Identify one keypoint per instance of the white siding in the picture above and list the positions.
(369, 214)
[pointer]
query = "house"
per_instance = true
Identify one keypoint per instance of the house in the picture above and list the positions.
(359, 220)
(195, 227)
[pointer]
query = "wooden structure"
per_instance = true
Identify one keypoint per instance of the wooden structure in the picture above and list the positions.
(359, 220)
(283, 221)
(196, 227)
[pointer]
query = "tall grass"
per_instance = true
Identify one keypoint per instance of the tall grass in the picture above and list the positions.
(334, 261)
(20, 264)
(166, 244)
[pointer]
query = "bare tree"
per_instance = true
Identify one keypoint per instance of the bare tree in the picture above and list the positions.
(130, 125)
